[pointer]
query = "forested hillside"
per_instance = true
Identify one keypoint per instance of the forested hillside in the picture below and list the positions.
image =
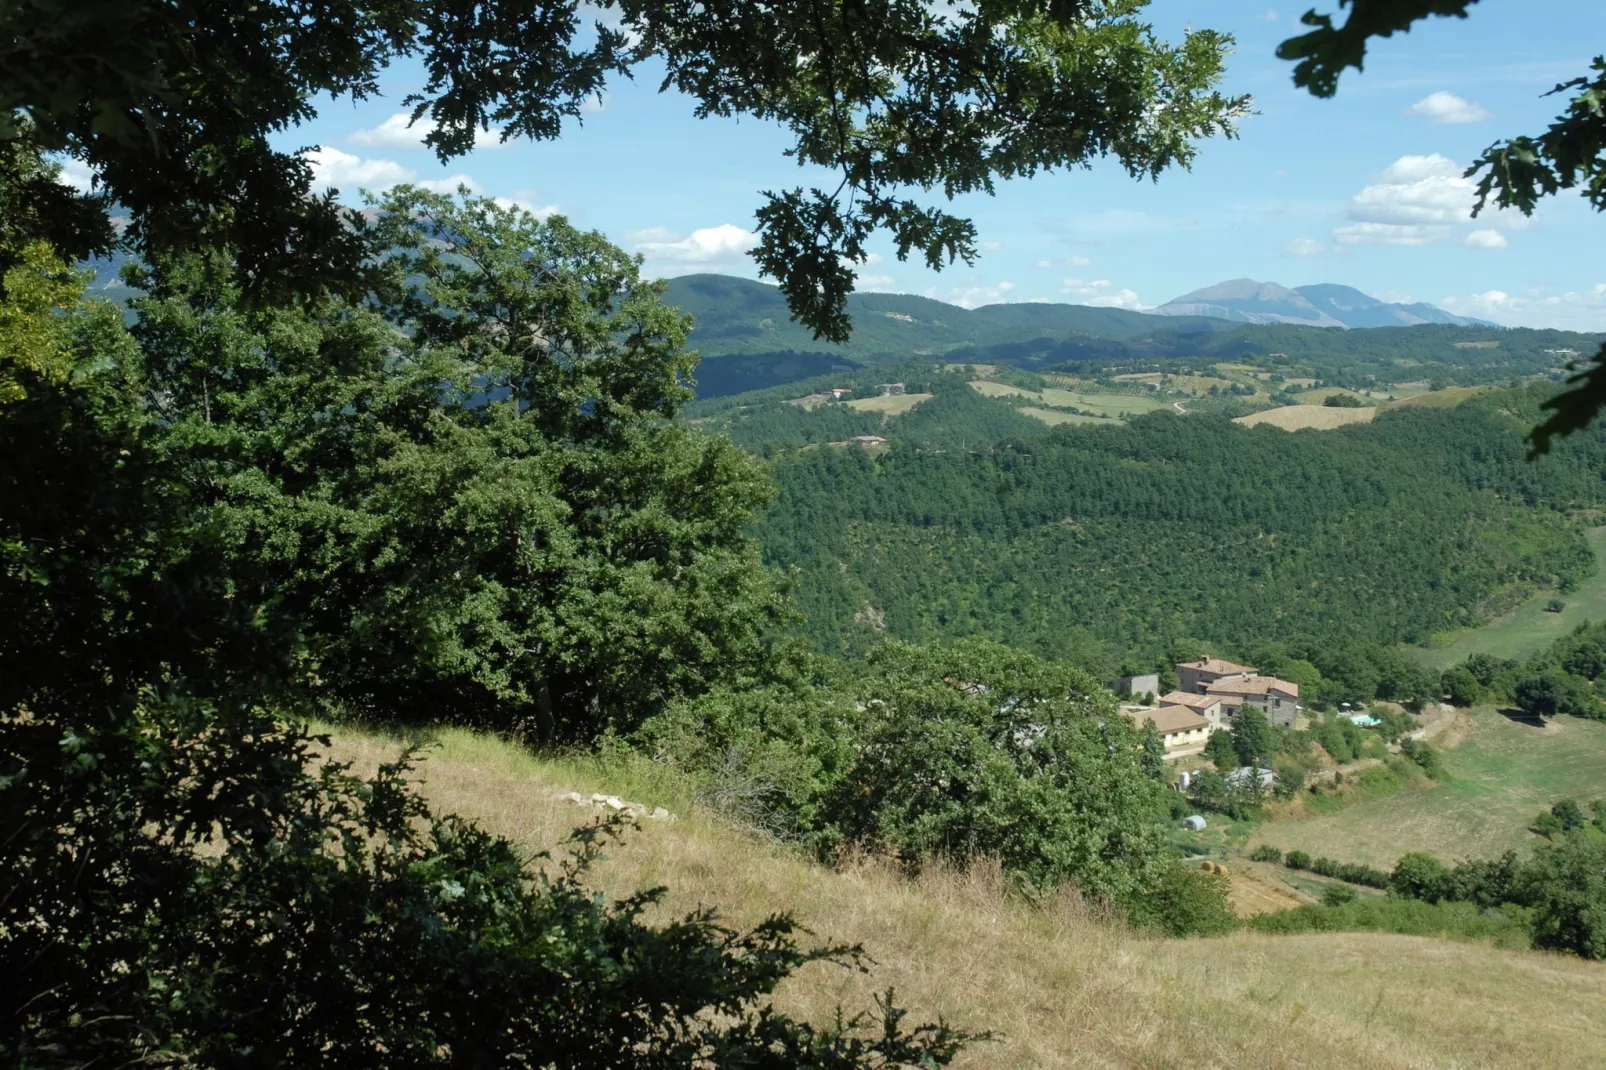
(1095, 542)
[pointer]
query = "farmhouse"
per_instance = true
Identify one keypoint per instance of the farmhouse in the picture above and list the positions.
(868, 440)
(1277, 699)
(1210, 707)
(1141, 684)
(1199, 675)
(1181, 730)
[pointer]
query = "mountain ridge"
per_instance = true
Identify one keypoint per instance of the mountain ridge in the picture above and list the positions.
(1323, 304)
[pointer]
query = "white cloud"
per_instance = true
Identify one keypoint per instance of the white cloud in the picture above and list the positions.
(1102, 293)
(76, 175)
(874, 283)
(1418, 200)
(1416, 190)
(1578, 310)
(331, 167)
(1069, 261)
(1390, 234)
(1306, 247)
(1269, 15)
(450, 184)
(399, 132)
(976, 296)
(1443, 107)
(1485, 239)
(725, 242)
(991, 246)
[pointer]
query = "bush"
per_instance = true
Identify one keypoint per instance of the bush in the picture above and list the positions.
(948, 752)
(1266, 853)
(1336, 895)
(1353, 872)
(1425, 757)
(1566, 885)
(1419, 875)
(1184, 901)
(1296, 860)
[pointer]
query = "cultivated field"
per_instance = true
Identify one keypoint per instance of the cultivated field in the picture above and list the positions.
(1055, 397)
(1447, 399)
(1062, 987)
(1498, 778)
(1054, 419)
(890, 404)
(1529, 627)
(1316, 397)
(1301, 417)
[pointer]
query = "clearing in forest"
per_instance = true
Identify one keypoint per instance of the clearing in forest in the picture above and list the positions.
(1496, 781)
(1090, 403)
(1445, 399)
(889, 404)
(1054, 419)
(1301, 417)
(1531, 625)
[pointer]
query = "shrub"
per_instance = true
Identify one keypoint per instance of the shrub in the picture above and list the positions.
(1419, 875)
(1425, 757)
(1353, 872)
(1336, 895)
(1266, 853)
(1184, 901)
(1296, 860)
(1566, 884)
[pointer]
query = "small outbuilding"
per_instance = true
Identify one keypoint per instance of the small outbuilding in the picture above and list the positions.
(1194, 822)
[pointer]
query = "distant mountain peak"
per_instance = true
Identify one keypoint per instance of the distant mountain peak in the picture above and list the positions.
(1326, 304)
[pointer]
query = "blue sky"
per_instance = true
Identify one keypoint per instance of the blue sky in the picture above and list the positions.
(1363, 189)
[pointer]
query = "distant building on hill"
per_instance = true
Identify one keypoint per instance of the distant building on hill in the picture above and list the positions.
(839, 392)
(1198, 675)
(891, 388)
(1210, 707)
(1277, 699)
(1141, 684)
(1244, 776)
(1181, 730)
(868, 440)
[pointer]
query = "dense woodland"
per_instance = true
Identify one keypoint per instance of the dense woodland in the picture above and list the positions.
(1176, 529)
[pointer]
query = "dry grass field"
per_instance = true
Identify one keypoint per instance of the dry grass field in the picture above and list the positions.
(1063, 987)
(1302, 417)
(1498, 777)
(890, 405)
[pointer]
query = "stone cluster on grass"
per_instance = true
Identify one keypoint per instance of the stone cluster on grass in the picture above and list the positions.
(617, 805)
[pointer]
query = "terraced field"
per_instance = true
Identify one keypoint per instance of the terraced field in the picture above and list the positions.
(1055, 397)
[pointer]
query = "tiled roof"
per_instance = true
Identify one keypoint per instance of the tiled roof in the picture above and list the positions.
(1183, 698)
(1259, 685)
(1170, 719)
(1217, 666)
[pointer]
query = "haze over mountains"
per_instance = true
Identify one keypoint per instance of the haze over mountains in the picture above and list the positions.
(1320, 305)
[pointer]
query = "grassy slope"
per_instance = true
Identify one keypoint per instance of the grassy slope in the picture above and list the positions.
(1064, 988)
(1528, 628)
(1498, 778)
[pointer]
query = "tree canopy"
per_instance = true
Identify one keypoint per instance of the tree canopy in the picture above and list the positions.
(172, 104)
